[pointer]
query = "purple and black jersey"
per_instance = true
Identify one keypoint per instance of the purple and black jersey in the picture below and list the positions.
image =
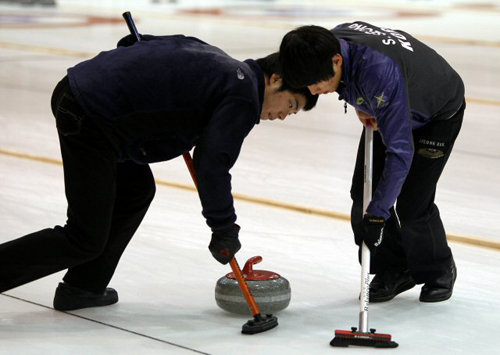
(404, 84)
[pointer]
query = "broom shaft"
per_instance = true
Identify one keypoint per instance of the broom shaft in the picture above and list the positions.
(234, 264)
(190, 166)
(365, 252)
(254, 308)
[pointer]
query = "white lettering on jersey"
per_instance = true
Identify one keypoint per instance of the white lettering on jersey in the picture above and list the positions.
(388, 41)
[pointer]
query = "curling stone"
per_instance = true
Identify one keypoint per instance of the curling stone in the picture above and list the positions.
(271, 291)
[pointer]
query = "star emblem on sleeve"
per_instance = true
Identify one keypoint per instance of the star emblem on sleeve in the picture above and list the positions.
(381, 100)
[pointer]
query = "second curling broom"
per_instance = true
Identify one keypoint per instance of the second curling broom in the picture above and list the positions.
(363, 336)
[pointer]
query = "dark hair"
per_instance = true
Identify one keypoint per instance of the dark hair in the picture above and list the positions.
(306, 55)
(270, 65)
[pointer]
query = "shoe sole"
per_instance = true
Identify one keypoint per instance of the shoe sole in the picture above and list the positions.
(402, 288)
(81, 304)
(433, 300)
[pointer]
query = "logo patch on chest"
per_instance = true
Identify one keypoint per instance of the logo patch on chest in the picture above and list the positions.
(240, 74)
(431, 153)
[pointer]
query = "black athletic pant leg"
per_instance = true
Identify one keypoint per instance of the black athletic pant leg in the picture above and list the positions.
(135, 189)
(89, 165)
(422, 232)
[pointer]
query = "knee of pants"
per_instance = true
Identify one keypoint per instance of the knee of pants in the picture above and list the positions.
(151, 191)
(88, 244)
(146, 195)
(136, 186)
(137, 198)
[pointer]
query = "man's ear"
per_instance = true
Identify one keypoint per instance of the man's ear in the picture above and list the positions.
(337, 60)
(276, 81)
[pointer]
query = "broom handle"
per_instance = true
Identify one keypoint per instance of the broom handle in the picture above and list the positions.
(365, 252)
(254, 308)
(127, 16)
(190, 166)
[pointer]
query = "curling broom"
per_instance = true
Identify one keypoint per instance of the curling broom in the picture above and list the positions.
(363, 336)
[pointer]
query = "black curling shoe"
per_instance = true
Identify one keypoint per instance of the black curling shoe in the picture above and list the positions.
(388, 284)
(440, 289)
(69, 298)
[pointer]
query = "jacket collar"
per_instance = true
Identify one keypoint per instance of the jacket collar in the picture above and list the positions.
(259, 75)
(346, 67)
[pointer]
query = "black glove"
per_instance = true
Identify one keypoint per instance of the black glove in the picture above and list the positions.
(373, 231)
(225, 244)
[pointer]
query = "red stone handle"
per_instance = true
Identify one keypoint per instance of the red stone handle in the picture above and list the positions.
(248, 268)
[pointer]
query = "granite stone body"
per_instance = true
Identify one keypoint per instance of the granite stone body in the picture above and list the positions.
(271, 291)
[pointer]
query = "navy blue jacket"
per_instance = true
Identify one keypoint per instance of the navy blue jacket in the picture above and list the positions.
(160, 97)
(404, 84)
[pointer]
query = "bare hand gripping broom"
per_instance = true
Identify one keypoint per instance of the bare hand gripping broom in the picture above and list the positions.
(260, 323)
(363, 337)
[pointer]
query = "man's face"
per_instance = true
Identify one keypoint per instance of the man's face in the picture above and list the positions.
(280, 104)
(330, 85)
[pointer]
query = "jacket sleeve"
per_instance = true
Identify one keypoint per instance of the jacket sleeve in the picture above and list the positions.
(215, 154)
(387, 94)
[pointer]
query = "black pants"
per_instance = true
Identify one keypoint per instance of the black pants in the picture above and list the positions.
(417, 239)
(106, 204)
